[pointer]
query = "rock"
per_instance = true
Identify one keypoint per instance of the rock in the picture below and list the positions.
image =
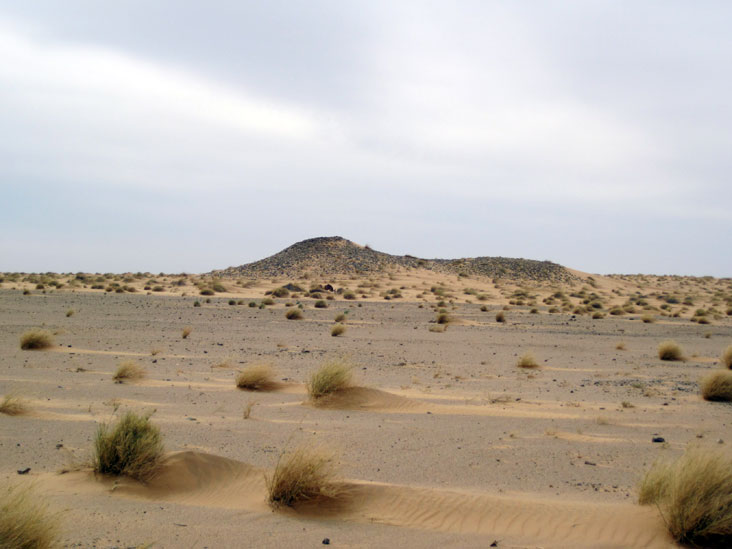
(326, 541)
(658, 439)
(24, 471)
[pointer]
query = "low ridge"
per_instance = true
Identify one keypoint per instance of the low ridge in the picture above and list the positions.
(336, 255)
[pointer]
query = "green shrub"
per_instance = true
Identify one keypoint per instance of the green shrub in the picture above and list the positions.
(25, 521)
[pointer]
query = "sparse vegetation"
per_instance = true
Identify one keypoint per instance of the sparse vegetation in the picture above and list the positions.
(257, 377)
(670, 350)
(13, 405)
(527, 360)
(726, 358)
(340, 317)
(337, 330)
(694, 495)
(500, 317)
(132, 447)
(648, 319)
(186, 332)
(25, 521)
(330, 377)
(69, 313)
(305, 475)
(36, 340)
(127, 371)
(321, 304)
(717, 386)
(293, 314)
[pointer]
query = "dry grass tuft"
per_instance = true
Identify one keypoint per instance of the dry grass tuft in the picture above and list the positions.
(727, 357)
(257, 377)
(133, 447)
(527, 360)
(34, 340)
(329, 378)
(293, 314)
(717, 386)
(694, 495)
(128, 370)
(25, 522)
(305, 475)
(500, 317)
(186, 332)
(247, 411)
(670, 350)
(648, 319)
(337, 330)
(13, 405)
(621, 346)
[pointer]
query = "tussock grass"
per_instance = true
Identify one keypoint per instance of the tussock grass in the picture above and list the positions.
(293, 314)
(25, 521)
(694, 495)
(305, 475)
(726, 358)
(186, 332)
(648, 319)
(717, 386)
(329, 378)
(500, 317)
(128, 370)
(340, 317)
(257, 377)
(443, 318)
(670, 350)
(13, 405)
(337, 330)
(527, 360)
(132, 447)
(34, 340)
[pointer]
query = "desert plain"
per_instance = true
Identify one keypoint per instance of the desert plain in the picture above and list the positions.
(441, 440)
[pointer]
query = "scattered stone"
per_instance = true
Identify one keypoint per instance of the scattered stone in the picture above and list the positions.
(24, 471)
(658, 439)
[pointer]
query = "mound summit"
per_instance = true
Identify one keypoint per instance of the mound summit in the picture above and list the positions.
(336, 255)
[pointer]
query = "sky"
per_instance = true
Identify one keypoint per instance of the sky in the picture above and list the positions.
(183, 136)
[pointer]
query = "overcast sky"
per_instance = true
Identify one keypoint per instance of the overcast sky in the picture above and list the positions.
(180, 135)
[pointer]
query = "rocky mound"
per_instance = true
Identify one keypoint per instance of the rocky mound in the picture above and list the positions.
(327, 256)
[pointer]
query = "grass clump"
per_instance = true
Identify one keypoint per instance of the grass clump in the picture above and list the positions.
(305, 475)
(500, 317)
(694, 495)
(132, 447)
(648, 319)
(13, 405)
(35, 340)
(527, 360)
(727, 357)
(670, 350)
(340, 317)
(329, 378)
(321, 304)
(337, 330)
(293, 314)
(717, 386)
(25, 521)
(257, 377)
(186, 332)
(127, 371)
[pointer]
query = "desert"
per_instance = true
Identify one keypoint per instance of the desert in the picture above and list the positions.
(518, 407)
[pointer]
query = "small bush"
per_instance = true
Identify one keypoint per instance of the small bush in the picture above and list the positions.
(717, 386)
(321, 304)
(281, 292)
(305, 475)
(348, 294)
(186, 332)
(337, 330)
(25, 521)
(443, 318)
(196, 303)
(648, 319)
(330, 377)
(268, 301)
(293, 314)
(232, 302)
(670, 350)
(35, 340)
(252, 304)
(597, 315)
(207, 291)
(218, 287)
(694, 495)
(527, 360)
(133, 447)
(127, 371)
(256, 377)
(13, 405)
(500, 317)
(69, 313)
(341, 317)
(726, 358)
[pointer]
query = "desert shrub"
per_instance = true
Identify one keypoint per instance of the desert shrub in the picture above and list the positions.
(196, 303)
(268, 301)
(670, 350)
(305, 475)
(280, 292)
(25, 521)
(484, 308)
(330, 377)
(527, 360)
(232, 302)
(13, 405)
(256, 377)
(128, 370)
(597, 315)
(158, 289)
(218, 287)
(252, 304)
(717, 386)
(617, 311)
(349, 294)
(341, 317)
(132, 447)
(648, 319)
(321, 304)
(694, 495)
(293, 314)
(36, 340)
(207, 291)
(500, 317)
(337, 330)
(726, 358)
(186, 332)
(443, 318)
(534, 311)
(69, 313)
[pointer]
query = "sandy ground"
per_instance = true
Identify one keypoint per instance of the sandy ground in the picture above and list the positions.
(446, 442)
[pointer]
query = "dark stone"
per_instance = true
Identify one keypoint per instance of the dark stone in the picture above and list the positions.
(658, 439)
(24, 471)
(326, 541)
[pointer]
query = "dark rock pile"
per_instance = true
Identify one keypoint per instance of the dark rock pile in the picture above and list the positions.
(328, 256)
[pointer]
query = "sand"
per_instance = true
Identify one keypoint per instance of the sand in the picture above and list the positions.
(443, 440)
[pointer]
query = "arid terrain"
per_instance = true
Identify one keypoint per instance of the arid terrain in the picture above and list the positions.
(443, 441)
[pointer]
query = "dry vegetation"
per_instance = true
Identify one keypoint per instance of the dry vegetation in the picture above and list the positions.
(727, 357)
(305, 475)
(717, 386)
(329, 378)
(694, 494)
(256, 377)
(13, 405)
(35, 340)
(337, 330)
(670, 350)
(25, 521)
(132, 447)
(527, 360)
(128, 370)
